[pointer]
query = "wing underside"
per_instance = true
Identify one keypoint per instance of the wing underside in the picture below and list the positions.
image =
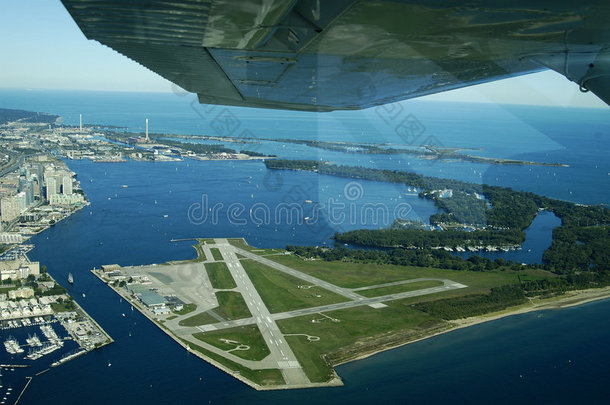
(322, 55)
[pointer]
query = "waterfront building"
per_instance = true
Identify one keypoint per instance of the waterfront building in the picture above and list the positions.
(24, 292)
(9, 208)
(66, 185)
(18, 269)
(10, 237)
(51, 187)
(66, 199)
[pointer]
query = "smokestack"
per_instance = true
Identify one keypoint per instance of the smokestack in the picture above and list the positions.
(80, 116)
(146, 129)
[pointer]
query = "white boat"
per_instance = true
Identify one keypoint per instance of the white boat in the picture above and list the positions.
(70, 278)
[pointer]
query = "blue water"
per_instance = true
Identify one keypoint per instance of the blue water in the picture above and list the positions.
(539, 236)
(578, 137)
(548, 357)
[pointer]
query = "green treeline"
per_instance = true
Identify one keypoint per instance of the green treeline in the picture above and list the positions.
(510, 209)
(422, 239)
(436, 258)
(7, 115)
(364, 173)
(510, 295)
(460, 208)
(474, 304)
(579, 248)
(254, 154)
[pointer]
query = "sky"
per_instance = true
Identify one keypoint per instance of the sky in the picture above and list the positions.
(41, 47)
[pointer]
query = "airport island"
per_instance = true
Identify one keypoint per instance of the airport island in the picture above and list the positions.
(277, 320)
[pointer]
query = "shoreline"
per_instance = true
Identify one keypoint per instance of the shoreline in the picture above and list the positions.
(568, 300)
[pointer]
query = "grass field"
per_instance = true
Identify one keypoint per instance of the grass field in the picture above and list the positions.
(220, 276)
(231, 305)
(238, 242)
(354, 275)
(261, 377)
(280, 291)
(62, 307)
(200, 255)
(417, 285)
(202, 318)
(216, 254)
(248, 335)
(357, 328)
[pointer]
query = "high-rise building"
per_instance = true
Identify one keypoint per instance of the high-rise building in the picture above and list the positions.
(51, 187)
(21, 201)
(9, 208)
(66, 185)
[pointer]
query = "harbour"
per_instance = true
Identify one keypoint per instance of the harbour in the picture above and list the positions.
(41, 333)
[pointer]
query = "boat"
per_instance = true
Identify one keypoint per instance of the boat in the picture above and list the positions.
(33, 340)
(70, 278)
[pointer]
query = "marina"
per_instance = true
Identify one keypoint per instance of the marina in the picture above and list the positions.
(43, 331)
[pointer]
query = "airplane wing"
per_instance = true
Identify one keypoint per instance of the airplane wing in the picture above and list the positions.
(323, 55)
